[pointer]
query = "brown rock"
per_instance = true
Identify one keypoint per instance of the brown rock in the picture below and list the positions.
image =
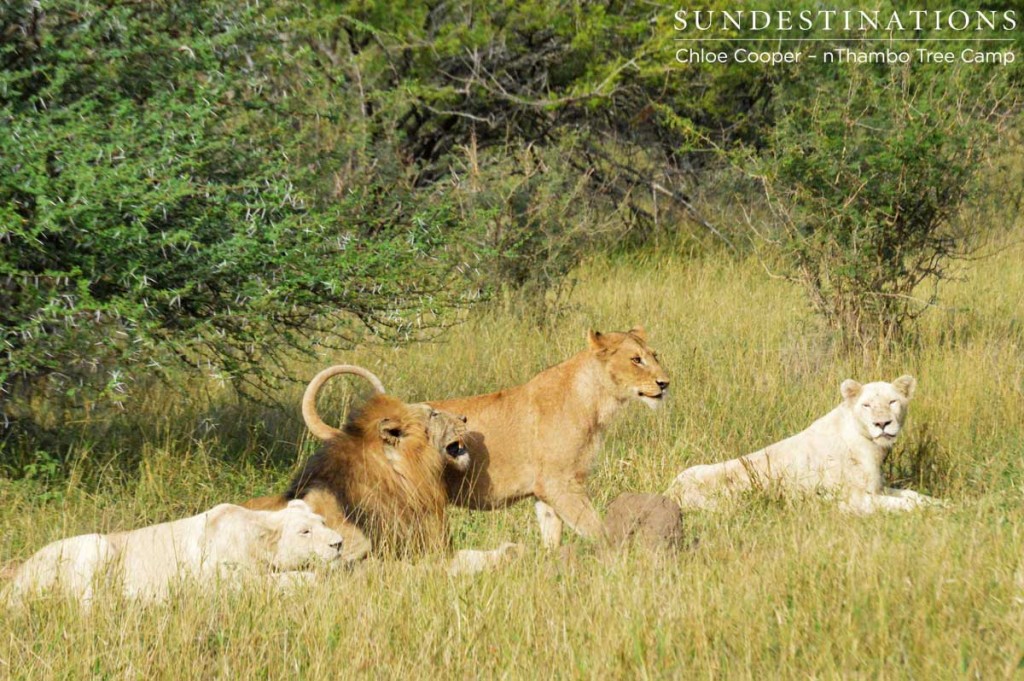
(651, 520)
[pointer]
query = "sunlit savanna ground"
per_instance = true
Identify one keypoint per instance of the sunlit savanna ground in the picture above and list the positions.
(772, 589)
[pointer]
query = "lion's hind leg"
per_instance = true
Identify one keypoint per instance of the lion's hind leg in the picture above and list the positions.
(699, 487)
(71, 566)
(550, 526)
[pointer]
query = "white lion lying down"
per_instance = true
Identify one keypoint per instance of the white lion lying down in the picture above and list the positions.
(840, 453)
(226, 543)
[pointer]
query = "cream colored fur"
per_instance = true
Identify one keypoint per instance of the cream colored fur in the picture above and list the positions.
(472, 561)
(225, 544)
(840, 454)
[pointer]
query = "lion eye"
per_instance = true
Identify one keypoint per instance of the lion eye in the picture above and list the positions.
(306, 531)
(866, 405)
(638, 361)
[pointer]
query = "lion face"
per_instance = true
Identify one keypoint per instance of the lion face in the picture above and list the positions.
(879, 408)
(442, 430)
(447, 433)
(302, 538)
(632, 365)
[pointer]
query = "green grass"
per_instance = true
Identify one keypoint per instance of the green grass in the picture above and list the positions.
(772, 589)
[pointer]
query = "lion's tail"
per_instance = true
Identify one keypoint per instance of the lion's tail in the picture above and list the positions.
(313, 421)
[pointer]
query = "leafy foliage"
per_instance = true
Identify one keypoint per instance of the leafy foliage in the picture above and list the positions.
(572, 127)
(222, 186)
(159, 200)
(869, 168)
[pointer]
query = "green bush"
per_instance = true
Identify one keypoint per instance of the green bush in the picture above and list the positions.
(165, 197)
(221, 185)
(868, 170)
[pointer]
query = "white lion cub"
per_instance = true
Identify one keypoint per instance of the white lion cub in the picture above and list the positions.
(226, 543)
(840, 453)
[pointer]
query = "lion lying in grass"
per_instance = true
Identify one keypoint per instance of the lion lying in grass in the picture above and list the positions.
(227, 543)
(840, 453)
(377, 479)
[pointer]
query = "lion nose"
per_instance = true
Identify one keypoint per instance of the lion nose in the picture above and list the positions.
(663, 385)
(336, 545)
(883, 424)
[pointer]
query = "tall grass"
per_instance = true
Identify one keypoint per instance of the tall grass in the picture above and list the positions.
(772, 588)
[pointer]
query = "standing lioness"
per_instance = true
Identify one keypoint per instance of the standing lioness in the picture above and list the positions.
(539, 439)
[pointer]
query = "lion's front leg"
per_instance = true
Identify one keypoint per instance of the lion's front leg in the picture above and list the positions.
(699, 487)
(916, 498)
(472, 561)
(860, 503)
(291, 579)
(864, 503)
(574, 507)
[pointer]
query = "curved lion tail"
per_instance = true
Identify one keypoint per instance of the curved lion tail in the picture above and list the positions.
(313, 421)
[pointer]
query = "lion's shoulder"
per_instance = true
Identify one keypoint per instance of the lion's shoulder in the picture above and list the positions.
(825, 436)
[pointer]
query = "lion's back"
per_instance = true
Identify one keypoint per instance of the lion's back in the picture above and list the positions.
(152, 556)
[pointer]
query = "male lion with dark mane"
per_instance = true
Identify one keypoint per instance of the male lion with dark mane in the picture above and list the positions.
(539, 439)
(841, 453)
(377, 480)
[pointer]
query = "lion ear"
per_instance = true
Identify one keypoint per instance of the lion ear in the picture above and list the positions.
(905, 385)
(596, 340)
(849, 389)
(299, 503)
(390, 431)
(639, 332)
(423, 409)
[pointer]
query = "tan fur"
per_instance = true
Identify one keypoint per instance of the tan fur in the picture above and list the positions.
(377, 480)
(538, 439)
(223, 544)
(841, 454)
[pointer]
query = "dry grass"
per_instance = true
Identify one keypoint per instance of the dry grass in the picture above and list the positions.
(773, 589)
